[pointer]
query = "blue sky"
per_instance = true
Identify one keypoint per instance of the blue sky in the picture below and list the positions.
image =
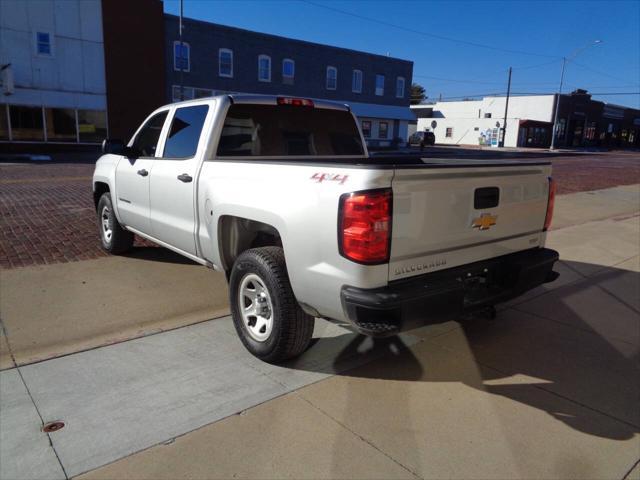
(448, 40)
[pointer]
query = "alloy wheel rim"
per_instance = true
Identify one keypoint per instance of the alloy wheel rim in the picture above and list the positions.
(256, 307)
(107, 233)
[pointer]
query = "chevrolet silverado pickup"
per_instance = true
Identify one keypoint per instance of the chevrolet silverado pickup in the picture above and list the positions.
(282, 196)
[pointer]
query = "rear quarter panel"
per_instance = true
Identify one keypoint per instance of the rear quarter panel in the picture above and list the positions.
(302, 205)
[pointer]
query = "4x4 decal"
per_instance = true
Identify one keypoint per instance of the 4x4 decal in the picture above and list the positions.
(329, 177)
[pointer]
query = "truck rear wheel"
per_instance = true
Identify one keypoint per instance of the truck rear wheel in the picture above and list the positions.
(113, 237)
(266, 314)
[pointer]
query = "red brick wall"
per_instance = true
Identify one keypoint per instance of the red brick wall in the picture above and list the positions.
(134, 62)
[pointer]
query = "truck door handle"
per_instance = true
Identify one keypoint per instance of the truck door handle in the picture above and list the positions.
(143, 173)
(185, 178)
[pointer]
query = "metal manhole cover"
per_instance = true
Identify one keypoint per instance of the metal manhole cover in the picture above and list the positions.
(52, 426)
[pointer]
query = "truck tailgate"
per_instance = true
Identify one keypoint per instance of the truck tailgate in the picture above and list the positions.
(458, 212)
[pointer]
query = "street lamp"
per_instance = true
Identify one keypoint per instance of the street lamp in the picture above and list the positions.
(577, 52)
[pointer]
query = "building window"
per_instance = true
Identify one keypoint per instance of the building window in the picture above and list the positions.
(332, 78)
(356, 81)
(92, 126)
(202, 93)
(449, 132)
(379, 85)
(400, 87)
(60, 124)
(43, 43)
(383, 130)
(562, 126)
(189, 93)
(225, 63)
(4, 123)
(366, 128)
(264, 68)
(487, 115)
(181, 56)
(288, 71)
(26, 123)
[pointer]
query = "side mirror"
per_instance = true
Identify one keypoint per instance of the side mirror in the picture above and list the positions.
(113, 146)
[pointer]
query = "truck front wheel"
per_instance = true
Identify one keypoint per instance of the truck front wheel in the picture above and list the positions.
(266, 315)
(114, 238)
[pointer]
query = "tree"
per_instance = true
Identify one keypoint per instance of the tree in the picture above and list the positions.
(418, 94)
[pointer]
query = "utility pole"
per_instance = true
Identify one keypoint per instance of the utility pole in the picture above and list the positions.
(506, 109)
(554, 132)
(181, 54)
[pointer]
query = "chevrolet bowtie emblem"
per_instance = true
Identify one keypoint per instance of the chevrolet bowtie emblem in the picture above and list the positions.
(484, 221)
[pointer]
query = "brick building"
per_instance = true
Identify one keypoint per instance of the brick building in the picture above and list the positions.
(216, 59)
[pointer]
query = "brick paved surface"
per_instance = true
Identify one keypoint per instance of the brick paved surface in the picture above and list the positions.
(47, 213)
(596, 171)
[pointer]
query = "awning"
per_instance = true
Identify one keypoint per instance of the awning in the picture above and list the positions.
(535, 123)
(372, 110)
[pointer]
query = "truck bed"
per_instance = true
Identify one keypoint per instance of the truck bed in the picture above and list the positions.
(400, 161)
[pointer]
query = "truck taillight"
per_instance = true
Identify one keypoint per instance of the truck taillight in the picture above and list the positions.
(364, 226)
(550, 204)
(296, 102)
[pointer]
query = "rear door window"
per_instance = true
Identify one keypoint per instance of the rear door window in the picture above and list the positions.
(285, 130)
(146, 140)
(184, 134)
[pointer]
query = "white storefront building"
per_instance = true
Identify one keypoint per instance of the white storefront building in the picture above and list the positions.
(478, 122)
(52, 71)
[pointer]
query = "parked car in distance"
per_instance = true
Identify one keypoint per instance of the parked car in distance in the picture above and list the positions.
(422, 139)
(281, 195)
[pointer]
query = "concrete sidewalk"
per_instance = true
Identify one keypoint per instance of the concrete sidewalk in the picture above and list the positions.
(548, 390)
(53, 310)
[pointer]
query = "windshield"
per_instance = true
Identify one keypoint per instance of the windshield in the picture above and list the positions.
(284, 130)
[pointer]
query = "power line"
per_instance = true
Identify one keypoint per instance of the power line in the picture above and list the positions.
(463, 42)
(500, 94)
(537, 65)
(588, 93)
(457, 81)
(485, 83)
(425, 34)
(598, 71)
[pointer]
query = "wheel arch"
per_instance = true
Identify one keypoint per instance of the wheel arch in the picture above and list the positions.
(99, 189)
(237, 234)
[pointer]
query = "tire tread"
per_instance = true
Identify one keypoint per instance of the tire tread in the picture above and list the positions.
(296, 327)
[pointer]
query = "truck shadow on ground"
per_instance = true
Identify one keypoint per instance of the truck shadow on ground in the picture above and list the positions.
(158, 254)
(572, 352)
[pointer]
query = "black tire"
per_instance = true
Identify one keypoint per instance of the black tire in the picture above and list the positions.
(120, 240)
(291, 328)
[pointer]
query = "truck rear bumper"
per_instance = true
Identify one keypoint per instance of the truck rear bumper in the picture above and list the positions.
(446, 294)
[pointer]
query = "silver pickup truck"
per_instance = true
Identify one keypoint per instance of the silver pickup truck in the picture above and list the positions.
(282, 196)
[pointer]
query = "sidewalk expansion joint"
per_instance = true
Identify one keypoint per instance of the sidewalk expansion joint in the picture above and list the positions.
(627, 475)
(356, 434)
(116, 342)
(3, 331)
